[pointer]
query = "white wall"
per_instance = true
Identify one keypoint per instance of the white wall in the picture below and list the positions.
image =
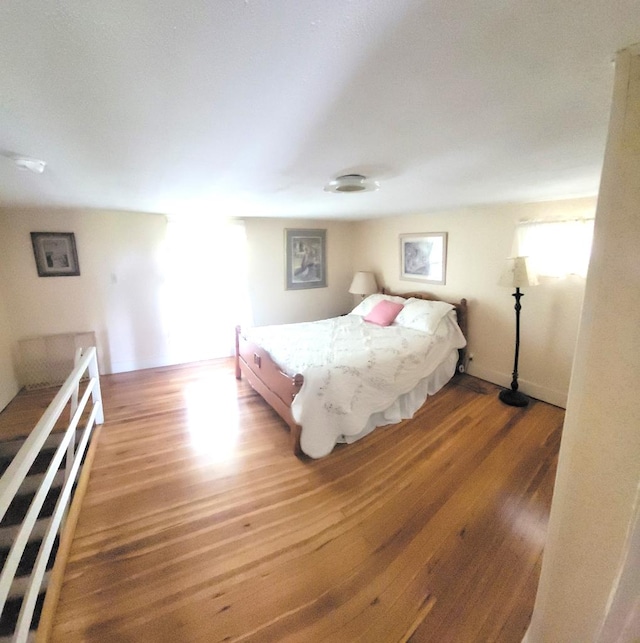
(272, 303)
(479, 240)
(590, 584)
(120, 293)
(116, 294)
(8, 381)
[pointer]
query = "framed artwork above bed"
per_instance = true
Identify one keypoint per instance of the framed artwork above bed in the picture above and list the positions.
(305, 258)
(423, 257)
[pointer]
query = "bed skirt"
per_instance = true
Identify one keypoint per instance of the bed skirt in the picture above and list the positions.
(406, 405)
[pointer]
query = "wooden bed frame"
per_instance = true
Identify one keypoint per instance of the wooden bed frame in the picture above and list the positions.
(278, 389)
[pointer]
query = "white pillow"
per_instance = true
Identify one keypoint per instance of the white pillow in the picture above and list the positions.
(368, 304)
(423, 315)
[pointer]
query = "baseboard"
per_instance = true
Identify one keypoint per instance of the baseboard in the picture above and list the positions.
(537, 391)
(138, 365)
(141, 365)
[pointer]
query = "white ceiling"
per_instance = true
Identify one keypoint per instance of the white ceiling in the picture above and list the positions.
(248, 107)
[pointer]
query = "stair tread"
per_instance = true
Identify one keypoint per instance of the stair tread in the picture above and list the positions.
(20, 505)
(39, 465)
(11, 612)
(29, 556)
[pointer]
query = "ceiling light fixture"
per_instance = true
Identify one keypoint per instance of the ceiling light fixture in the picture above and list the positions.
(351, 183)
(33, 165)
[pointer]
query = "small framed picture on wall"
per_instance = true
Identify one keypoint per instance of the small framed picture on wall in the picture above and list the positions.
(423, 257)
(305, 258)
(55, 254)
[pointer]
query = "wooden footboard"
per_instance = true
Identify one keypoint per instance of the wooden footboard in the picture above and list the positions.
(265, 377)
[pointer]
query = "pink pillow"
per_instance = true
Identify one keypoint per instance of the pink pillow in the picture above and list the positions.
(384, 312)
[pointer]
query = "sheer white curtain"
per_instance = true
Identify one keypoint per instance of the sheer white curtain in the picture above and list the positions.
(556, 248)
(205, 292)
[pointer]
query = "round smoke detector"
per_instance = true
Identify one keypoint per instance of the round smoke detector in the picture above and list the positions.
(351, 183)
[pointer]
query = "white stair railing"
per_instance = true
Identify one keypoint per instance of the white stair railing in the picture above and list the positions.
(86, 362)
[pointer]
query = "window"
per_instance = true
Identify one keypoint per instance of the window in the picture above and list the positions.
(556, 248)
(205, 292)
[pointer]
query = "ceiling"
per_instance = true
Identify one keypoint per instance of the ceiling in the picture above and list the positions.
(249, 107)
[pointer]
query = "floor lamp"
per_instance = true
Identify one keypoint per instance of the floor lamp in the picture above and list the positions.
(516, 274)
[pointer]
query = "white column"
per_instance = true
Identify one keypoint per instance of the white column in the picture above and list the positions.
(590, 584)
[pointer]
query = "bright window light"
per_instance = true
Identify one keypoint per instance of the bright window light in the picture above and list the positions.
(205, 293)
(556, 248)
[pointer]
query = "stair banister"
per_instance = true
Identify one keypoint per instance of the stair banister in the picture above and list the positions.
(19, 468)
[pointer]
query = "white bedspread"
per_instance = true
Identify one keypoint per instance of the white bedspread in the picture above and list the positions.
(352, 369)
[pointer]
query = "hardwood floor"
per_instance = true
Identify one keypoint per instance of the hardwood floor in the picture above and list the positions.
(24, 411)
(200, 525)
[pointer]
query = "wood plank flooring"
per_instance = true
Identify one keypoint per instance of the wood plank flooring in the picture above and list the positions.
(21, 415)
(200, 525)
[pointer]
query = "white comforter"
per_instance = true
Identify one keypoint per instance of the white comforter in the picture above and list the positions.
(352, 369)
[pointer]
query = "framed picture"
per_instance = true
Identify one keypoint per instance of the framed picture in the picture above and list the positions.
(55, 254)
(423, 257)
(306, 258)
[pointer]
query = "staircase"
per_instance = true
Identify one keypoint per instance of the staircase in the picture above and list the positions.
(38, 482)
(11, 523)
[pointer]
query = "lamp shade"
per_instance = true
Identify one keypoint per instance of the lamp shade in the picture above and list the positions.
(517, 273)
(364, 283)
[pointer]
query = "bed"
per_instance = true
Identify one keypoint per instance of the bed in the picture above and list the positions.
(336, 380)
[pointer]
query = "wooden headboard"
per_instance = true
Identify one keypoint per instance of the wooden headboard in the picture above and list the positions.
(461, 312)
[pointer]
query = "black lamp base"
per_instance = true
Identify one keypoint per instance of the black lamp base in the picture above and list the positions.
(513, 398)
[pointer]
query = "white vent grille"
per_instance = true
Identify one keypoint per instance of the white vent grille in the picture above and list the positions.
(48, 360)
